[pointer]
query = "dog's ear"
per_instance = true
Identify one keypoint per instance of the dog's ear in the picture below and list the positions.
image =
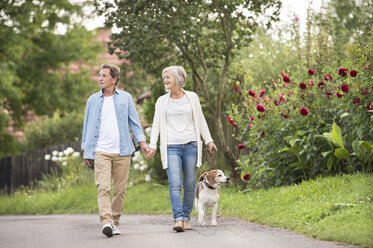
(201, 177)
(211, 177)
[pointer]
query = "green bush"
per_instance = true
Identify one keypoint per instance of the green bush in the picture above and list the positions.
(55, 130)
(281, 128)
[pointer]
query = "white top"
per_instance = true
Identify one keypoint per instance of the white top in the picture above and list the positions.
(159, 127)
(108, 135)
(179, 117)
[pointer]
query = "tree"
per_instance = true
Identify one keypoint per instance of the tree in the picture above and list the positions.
(351, 21)
(203, 35)
(35, 60)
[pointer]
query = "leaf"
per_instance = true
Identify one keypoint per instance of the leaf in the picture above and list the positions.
(293, 141)
(325, 154)
(328, 136)
(301, 133)
(368, 147)
(288, 138)
(337, 135)
(296, 164)
(330, 163)
(342, 153)
(289, 149)
(344, 115)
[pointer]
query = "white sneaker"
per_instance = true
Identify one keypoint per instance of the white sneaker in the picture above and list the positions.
(107, 229)
(116, 230)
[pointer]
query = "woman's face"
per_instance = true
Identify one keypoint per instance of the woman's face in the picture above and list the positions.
(169, 81)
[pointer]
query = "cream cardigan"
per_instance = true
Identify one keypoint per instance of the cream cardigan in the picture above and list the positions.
(160, 126)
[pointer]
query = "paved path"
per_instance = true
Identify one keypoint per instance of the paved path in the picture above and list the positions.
(144, 231)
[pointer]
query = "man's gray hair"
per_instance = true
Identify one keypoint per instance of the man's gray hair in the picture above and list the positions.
(178, 72)
(114, 71)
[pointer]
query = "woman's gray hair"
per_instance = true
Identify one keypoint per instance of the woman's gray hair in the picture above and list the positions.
(114, 71)
(178, 72)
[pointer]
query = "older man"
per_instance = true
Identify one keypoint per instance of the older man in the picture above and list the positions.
(109, 116)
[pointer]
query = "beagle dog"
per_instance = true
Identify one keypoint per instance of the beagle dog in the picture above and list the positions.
(206, 194)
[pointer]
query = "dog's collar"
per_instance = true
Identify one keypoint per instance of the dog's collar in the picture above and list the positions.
(208, 185)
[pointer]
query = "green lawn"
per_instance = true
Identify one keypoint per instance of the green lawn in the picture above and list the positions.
(334, 208)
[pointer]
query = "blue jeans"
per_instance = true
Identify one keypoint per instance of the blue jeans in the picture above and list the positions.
(182, 159)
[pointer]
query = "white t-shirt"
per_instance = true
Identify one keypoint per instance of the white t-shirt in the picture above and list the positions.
(108, 135)
(180, 124)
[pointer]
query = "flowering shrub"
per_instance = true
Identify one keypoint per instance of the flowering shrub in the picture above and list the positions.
(72, 170)
(139, 170)
(281, 131)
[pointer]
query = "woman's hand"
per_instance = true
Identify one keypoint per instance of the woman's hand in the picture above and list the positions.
(211, 147)
(151, 153)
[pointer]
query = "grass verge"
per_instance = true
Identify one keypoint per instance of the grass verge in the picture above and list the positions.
(333, 208)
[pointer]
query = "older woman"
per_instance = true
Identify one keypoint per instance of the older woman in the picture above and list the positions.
(180, 122)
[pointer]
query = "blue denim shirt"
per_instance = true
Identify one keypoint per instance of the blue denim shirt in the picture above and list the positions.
(127, 119)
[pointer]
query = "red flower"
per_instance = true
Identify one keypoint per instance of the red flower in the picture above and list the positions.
(310, 84)
(328, 93)
(284, 115)
(353, 73)
(262, 134)
(356, 100)
(328, 77)
(345, 88)
(303, 86)
(241, 146)
(246, 177)
(251, 118)
(365, 91)
(231, 121)
(236, 88)
(262, 92)
(250, 126)
(251, 93)
(342, 72)
(296, 19)
(276, 101)
(285, 78)
(311, 72)
(260, 108)
(339, 95)
(321, 85)
(369, 107)
(304, 111)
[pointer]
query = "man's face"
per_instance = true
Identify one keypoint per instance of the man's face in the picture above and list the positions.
(105, 80)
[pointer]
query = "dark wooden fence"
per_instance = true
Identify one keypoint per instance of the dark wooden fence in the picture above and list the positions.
(25, 168)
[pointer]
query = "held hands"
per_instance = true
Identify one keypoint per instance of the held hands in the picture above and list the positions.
(149, 152)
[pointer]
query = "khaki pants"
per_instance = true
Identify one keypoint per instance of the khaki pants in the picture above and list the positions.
(109, 166)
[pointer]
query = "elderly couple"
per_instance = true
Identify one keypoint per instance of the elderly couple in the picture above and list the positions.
(107, 143)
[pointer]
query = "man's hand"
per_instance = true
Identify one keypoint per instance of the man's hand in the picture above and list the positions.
(211, 147)
(88, 162)
(144, 148)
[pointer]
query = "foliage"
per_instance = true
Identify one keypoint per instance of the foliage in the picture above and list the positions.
(35, 60)
(72, 171)
(350, 21)
(139, 172)
(204, 35)
(48, 131)
(281, 125)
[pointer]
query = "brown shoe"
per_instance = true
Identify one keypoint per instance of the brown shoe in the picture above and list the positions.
(178, 227)
(186, 225)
